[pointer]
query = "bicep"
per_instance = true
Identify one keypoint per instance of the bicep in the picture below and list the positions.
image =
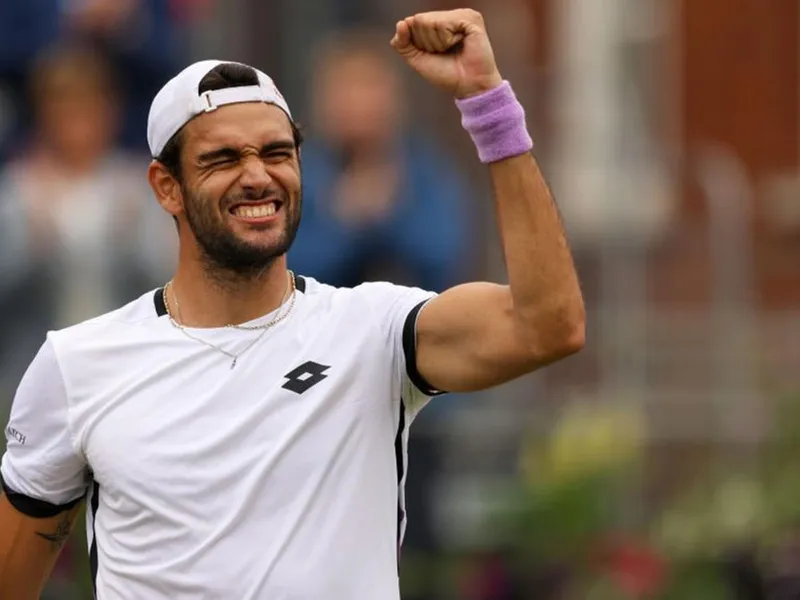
(468, 339)
(29, 547)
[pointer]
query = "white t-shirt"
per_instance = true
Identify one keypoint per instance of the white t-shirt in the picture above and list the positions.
(279, 479)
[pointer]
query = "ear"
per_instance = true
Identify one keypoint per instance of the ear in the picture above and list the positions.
(166, 188)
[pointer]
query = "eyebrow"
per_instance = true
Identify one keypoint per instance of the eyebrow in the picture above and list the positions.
(229, 153)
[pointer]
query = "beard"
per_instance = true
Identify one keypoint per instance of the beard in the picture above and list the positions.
(225, 253)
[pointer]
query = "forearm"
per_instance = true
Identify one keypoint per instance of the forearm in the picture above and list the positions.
(545, 295)
(29, 549)
(543, 284)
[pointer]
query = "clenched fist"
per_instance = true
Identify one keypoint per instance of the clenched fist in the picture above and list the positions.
(450, 49)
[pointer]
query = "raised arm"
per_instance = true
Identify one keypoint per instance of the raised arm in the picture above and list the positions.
(29, 547)
(480, 335)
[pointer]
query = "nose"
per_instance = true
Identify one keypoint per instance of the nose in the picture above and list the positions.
(255, 178)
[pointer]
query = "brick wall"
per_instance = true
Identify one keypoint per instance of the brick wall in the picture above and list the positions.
(739, 69)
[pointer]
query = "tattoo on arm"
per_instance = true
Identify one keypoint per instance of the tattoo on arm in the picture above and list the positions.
(60, 535)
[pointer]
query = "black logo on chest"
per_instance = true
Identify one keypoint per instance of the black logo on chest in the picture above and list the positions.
(304, 377)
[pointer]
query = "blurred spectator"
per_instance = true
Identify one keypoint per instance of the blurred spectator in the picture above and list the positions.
(379, 200)
(79, 232)
(139, 37)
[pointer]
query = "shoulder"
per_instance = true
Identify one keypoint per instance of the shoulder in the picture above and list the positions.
(368, 292)
(118, 322)
(327, 300)
(375, 302)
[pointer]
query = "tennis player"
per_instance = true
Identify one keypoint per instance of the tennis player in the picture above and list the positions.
(240, 434)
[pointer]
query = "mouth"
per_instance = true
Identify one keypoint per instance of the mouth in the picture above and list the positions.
(256, 212)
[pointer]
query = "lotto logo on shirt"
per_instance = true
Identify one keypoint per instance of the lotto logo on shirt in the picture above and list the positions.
(13, 434)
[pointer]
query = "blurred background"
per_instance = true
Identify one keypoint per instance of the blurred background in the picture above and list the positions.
(660, 463)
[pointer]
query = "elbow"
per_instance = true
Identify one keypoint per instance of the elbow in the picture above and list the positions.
(574, 339)
(557, 334)
(566, 341)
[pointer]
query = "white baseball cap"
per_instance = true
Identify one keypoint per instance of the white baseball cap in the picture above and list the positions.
(179, 101)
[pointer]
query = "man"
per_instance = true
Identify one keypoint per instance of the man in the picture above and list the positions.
(229, 453)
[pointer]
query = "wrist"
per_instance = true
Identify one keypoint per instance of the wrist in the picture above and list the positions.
(495, 121)
(480, 87)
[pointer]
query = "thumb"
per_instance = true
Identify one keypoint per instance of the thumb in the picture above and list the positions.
(402, 38)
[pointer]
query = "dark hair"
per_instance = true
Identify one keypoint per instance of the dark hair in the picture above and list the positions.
(226, 75)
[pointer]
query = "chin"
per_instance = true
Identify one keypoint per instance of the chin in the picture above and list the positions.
(262, 241)
(265, 242)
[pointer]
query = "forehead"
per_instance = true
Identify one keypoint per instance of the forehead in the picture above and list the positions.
(238, 125)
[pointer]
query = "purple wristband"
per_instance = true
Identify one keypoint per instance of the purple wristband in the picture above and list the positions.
(496, 122)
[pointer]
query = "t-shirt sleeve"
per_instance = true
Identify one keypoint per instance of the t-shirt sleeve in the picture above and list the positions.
(42, 472)
(396, 309)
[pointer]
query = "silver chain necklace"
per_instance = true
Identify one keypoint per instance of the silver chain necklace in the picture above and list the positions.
(263, 327)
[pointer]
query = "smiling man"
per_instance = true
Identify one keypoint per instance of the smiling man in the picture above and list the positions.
(241, 432)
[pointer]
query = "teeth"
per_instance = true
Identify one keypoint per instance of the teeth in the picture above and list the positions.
(256, 212)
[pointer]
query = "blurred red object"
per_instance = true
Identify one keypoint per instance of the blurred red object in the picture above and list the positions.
(635, 568)
(486, 579)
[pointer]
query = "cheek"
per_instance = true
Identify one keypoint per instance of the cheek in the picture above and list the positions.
(211, 190)
(288, 177)
(200, 204)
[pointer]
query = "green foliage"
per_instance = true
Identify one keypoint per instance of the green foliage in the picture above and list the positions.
(560, 522)
(696, 580)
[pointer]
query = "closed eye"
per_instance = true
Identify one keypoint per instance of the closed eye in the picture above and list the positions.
(219, 158)
(226, 162)
(277, 156)
(278, 150)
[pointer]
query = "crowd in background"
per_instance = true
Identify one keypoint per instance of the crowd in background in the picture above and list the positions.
(565, 483)
(80, 230)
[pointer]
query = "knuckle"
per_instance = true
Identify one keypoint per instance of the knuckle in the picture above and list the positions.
(473, 15)
(434, 18)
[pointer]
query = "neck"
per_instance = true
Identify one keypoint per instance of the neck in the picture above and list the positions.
(210, 300)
